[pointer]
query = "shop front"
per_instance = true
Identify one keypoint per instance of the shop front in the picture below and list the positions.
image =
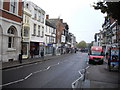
(41, 47)
(49, 49)
(25, 50)
(34, 49)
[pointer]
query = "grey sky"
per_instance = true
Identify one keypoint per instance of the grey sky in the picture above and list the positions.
(82, 19)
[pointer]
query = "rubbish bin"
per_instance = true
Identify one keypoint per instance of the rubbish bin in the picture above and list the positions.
(20, 58)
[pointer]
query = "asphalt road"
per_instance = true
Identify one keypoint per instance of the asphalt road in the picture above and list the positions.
(56, 73)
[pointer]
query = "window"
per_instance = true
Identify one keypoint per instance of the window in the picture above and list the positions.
(42, 34)
(39, 16)
(35, 13)
(42, 18)
(46, 28)
(34, 32)
(96, 52)
(13, 6)
(38, 30)
(27, 5)
(27, 20)
(26, 32)
(1, 3)
(49, 29)
(11, 37)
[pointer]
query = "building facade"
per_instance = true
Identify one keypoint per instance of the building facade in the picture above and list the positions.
(59, 29)
(10, 29)
(26, 30)
(36, 33)
(109, 36)
(50, 37)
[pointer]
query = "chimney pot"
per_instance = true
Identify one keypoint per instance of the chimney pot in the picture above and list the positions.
(47, 16)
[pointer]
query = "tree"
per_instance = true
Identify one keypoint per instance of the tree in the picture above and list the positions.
(111, 8)
(81, 44)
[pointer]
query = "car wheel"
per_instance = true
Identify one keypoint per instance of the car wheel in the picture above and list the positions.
(89, 61)
(101, 62)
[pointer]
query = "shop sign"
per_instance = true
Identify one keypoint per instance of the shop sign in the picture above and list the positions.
(54, 45)
(50, 45)
(41, 43)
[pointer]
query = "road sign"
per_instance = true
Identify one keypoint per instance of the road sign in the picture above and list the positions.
(114, 59)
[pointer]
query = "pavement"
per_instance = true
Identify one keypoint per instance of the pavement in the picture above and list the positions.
(99, 76)
(16, 63)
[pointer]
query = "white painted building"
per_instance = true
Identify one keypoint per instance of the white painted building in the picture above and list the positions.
(37, 25)
(50, 37)
(26, 30)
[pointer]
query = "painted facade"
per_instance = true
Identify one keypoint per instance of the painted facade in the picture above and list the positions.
(37, 26)
(10, 30)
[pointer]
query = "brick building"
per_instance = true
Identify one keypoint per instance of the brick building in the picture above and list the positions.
(10, 29)
(59, 30)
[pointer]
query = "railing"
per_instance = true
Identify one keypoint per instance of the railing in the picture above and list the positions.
(79, 82)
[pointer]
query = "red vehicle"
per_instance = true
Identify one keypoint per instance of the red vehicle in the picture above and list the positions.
(96, 55)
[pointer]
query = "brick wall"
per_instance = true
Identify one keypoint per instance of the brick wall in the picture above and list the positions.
(7, 15)
(59, 28)
(6, 5)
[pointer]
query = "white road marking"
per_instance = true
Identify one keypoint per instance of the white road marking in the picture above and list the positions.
(12, 82)
(30, 73)
(37, 71)
(87, 67)
(28, 76)
(21, 66)
(75, 84)
(48, 67)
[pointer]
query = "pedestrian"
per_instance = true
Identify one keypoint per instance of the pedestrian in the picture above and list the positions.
(20, 56)
(42, 54)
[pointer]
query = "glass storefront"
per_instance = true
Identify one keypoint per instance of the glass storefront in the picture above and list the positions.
(25, 50)
(49, 50)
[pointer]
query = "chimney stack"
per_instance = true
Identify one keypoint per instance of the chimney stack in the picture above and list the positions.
(61, 20)
(47, 16)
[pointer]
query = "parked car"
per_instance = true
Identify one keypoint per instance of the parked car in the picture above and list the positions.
(85, 50)
(96, 54)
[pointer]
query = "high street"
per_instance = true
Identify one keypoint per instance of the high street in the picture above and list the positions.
(56, 73)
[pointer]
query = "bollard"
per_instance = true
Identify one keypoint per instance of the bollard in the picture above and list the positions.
(20, 58)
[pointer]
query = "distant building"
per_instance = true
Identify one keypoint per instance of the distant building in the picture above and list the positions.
(109, 36)
(50, 37)
(10, 30)
(59, 30)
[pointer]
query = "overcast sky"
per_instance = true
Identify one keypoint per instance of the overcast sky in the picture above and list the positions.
(82, 19)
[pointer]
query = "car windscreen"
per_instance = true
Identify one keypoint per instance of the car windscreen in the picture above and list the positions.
(96, 52)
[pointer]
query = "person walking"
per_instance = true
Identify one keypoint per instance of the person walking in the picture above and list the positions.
(42, 54)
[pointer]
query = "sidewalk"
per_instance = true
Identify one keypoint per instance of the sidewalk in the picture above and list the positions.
(12, 64)
(98, 76)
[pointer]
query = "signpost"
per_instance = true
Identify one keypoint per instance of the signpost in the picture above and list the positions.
(114, 59)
